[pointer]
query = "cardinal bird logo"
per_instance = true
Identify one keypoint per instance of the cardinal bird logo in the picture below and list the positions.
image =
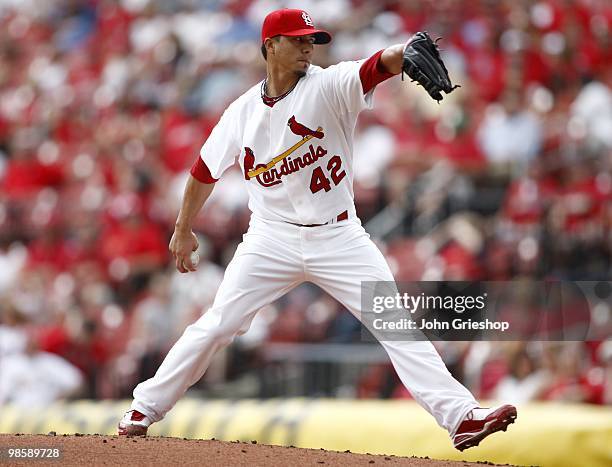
(251, 170)
(249, 162)
(302, 130)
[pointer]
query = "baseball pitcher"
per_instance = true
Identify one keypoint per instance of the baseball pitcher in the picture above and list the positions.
(292, 134)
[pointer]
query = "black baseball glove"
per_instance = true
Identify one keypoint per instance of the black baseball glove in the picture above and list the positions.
(422, 63)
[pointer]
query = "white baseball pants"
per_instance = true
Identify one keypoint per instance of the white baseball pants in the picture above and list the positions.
(273, 258)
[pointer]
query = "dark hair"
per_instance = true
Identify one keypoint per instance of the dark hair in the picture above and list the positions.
(264, 52)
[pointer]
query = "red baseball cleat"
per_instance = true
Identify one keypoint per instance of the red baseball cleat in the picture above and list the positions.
(133, 423)
(480, 423)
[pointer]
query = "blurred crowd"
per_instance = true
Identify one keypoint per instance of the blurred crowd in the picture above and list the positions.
(104, 105)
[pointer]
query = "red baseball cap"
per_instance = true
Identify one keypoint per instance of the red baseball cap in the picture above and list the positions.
(290, 22)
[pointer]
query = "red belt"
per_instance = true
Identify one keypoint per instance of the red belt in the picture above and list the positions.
(341, 217)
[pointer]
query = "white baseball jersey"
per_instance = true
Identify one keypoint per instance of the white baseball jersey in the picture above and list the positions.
(312, 127)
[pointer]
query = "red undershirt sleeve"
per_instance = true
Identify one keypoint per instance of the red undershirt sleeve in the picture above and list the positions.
(373, 72)
(201, 173)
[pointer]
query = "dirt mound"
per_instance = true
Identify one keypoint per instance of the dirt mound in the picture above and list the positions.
(113, 450)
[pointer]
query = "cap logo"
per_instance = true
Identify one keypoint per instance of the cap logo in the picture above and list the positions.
(307, 19)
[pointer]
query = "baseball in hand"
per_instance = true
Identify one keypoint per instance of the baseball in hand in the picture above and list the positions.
(195, 258)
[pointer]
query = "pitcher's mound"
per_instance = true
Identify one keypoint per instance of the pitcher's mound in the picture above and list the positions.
(90, 450)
